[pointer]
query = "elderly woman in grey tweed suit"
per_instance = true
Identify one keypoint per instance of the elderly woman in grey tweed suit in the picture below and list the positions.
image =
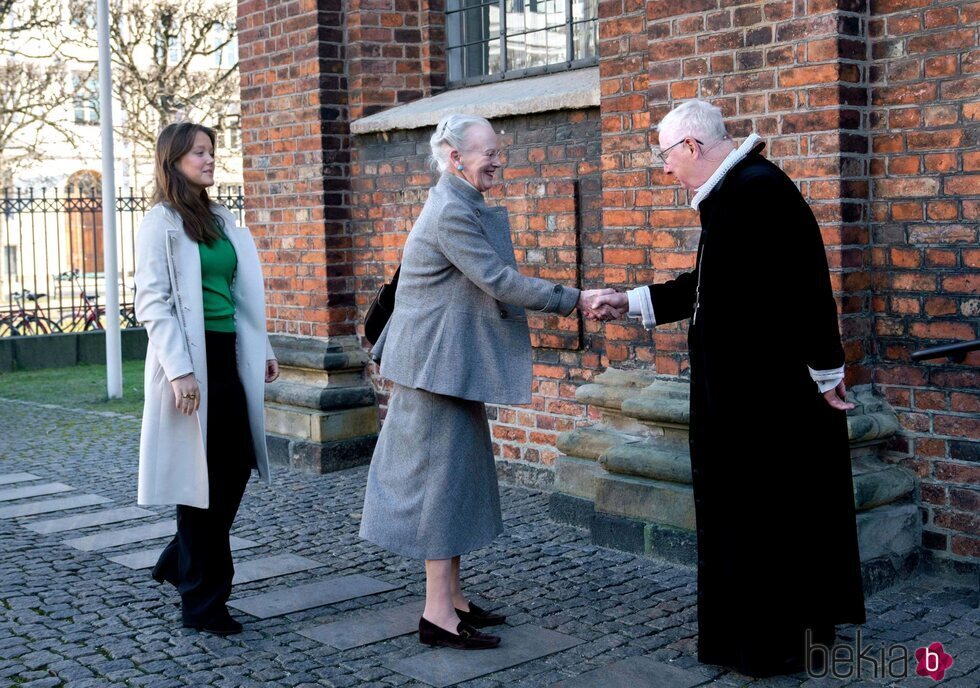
(458, 338)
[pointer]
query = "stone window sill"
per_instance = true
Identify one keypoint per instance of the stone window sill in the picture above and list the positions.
(569, 90)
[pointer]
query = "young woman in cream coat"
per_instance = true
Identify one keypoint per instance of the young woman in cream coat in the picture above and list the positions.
(200, 294)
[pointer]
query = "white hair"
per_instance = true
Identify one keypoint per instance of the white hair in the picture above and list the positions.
(694, 118)
(451, 134)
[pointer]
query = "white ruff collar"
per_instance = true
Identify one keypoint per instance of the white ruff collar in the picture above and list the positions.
(735, 157)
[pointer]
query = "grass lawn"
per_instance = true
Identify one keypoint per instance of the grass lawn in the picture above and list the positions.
(81, 386)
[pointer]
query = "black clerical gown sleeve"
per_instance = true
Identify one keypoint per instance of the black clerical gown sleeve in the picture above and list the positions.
(673, 300)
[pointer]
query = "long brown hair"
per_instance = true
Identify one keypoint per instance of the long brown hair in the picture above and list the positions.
(172, 187)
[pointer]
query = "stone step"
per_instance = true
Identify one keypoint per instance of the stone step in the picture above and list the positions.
(867, 428)
(11, 478)
(313, 354)
(591, 443)
(447, 667)
(318, 594)
(662, 410)
(637, 672)
(656, 458)
(271, 567)
(616, 377)
(575, 476)
(15, 493)
(97, 518)
(319, 397)
(147, 558)
(604, 396)
(126, 536)
(48, 506)
(643, 499)
(321, 426)
(877, 483)
(283, 342)
(370, 627)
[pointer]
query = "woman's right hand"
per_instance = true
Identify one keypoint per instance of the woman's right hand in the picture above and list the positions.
(187, 395)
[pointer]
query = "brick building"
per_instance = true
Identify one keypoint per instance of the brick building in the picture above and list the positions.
(869, 105)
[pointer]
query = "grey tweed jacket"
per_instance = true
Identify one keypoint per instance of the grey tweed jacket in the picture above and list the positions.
(459, 327)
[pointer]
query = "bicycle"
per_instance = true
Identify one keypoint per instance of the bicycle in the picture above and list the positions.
(21, 322)
(91, 316)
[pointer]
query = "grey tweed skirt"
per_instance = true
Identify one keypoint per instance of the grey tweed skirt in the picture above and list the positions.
(432, 486)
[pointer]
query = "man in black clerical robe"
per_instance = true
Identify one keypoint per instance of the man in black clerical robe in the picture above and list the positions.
(774, 502)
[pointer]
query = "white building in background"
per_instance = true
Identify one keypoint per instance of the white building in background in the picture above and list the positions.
(40, 240)
(80, 115)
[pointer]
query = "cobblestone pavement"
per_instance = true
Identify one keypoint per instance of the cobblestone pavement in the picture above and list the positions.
(72, 618)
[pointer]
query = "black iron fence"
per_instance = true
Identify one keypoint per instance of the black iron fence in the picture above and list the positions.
(51, 267)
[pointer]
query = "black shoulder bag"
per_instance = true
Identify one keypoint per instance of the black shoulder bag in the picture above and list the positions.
(381, 309)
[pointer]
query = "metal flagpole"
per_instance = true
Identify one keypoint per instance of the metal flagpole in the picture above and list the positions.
(113, 347)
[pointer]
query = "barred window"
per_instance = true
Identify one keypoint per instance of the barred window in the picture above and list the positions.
(499, 39)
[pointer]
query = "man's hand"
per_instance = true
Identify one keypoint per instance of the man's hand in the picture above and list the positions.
(595, 304)
(187, 395)
(271, 370)
(837, 397)
(615, 304)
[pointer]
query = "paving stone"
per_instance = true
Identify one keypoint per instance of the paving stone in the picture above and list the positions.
(271, 567)
(126, 536)
(91, 616)
(147, 558)
(10, 495)
(97, 518)
(636, 672)
(9, 478)
(51, 505)
(447, 667)
(373, 627)
(318, 594)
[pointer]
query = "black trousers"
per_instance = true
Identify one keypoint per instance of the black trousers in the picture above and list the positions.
(198, 560)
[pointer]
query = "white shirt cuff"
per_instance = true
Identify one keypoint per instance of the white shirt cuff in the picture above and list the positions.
(641, 306)
(827, 379)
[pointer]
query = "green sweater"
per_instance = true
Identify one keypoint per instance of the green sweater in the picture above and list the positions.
(218, 263)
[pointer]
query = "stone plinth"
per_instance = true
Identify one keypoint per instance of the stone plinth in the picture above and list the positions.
(320, 415)
(628, 478)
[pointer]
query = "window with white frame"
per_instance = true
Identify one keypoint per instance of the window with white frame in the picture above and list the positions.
(175, 50)
(85, 99)
(225, 48)
(231, 132)
(499, 39)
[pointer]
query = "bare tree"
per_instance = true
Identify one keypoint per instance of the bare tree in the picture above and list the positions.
(170, 62)
(33, 84)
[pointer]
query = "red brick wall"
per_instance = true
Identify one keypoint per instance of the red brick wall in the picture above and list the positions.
(551, 187)
(792, 72)
(393, 52)
(871, 109)
(296, 156)
(869, 105)
(925, 198)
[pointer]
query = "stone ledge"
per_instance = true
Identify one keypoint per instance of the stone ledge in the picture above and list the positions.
(571, 90)
(319, 398)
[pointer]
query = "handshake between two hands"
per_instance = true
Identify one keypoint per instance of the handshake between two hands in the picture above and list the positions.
(603, 304)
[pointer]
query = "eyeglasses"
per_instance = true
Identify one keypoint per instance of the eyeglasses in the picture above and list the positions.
(492, 153)
(662, 154)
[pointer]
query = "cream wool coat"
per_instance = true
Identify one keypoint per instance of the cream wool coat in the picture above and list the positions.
(169, 302)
